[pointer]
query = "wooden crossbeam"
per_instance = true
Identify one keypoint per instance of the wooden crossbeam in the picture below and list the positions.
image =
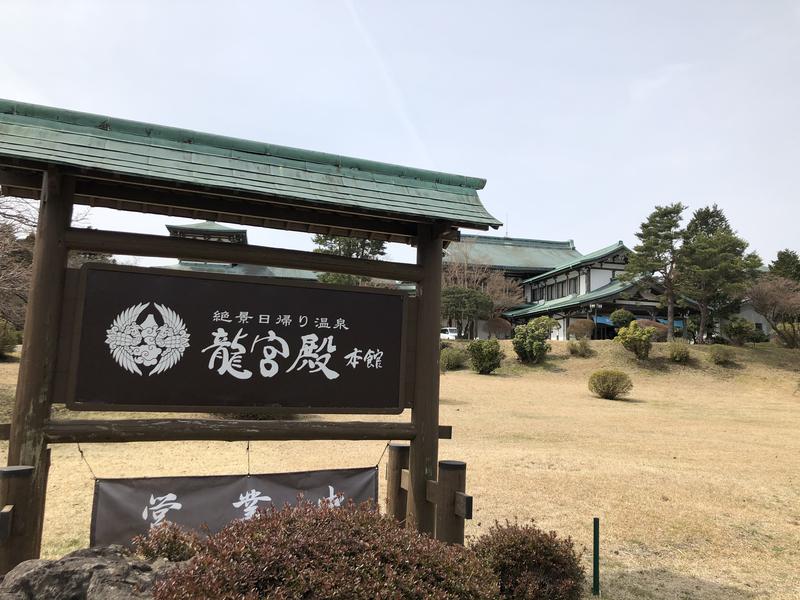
(137, 244)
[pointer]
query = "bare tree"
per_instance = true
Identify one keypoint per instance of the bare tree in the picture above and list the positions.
(777, 299)
(15, 269)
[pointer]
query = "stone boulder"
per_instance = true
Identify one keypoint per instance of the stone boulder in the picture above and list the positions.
(103, 573)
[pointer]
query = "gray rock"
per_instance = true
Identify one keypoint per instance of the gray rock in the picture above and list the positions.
(103, 573)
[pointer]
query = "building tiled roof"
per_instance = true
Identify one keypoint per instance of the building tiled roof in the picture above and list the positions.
(314, 179)
(513, 253)
(580, 261)
(545, 307)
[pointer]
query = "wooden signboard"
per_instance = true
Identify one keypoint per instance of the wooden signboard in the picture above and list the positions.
(158, 339)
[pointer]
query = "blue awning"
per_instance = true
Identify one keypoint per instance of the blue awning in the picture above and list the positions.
(601, 320)
(676, 323)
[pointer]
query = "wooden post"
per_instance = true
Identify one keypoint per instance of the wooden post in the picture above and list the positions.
(27, 444)
(449, 523)
(425, 412)
(396, 496)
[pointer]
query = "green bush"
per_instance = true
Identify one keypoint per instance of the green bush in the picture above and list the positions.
(580, 347)
(621, 317)
(759, 337)
(531, 564)
(324, 553)
(531, 340)
(580, 328)
(678, 351)
(610, 384)
(485, 355)
(8, 339)
(169, 541)
(720, 355)
(636, 339)
(739, 331)
(451, 359)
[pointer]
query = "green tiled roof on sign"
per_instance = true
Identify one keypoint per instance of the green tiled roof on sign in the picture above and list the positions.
(56, 136)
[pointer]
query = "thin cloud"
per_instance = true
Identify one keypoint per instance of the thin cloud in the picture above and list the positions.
(641, 90)
(395, 94)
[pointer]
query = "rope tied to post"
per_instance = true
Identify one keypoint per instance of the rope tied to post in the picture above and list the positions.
(83, 457)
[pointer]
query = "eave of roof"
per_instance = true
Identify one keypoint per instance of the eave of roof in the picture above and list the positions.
(47, 135)
(510, 254)
(609, 290)
(585, 259)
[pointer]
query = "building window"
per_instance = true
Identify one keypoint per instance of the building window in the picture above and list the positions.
(573, 285)
(759, 326)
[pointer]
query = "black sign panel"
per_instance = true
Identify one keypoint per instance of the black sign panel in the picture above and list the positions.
(155, 339)
(124, 508)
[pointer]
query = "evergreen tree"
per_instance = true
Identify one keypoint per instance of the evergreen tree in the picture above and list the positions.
(654, 260)
(787, 265)
(713, 268)
(351, 248)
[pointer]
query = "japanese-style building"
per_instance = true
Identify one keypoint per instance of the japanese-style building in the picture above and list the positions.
(212, 231)
(587, 287)
(518, 258)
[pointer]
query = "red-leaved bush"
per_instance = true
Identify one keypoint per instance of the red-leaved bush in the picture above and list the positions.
(531, 564)
(306, 551)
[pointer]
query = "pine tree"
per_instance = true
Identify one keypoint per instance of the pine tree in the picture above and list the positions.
(654, 260)
(787, 265)
(713, 267)
(351, 248)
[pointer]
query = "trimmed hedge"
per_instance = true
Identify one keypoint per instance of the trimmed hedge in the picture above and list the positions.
(610, 384)
(324, 553)
(485, 355)
(531, 564)
(451, 359)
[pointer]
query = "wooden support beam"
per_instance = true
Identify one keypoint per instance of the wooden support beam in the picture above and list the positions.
(425, 412)
(405, 479)
(452, 481)
(445, 431)
(137, 244)
(463, 505)
(396, 495)
(27, 444)
(6, 520)
(156, 430)
(20, 178)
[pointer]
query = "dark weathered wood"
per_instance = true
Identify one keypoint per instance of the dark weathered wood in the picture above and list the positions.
(6, 519)
(452, 479)
(27, 444)
(463, 504)
(155, 430)
(16, 471)
(396, 496)
(445, 431)
(137, 244)
(405, 479)
(20, 178)
(95, 192)
(425, 412)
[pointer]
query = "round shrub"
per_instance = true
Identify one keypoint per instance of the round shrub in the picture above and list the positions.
(720, 355)
(621, 317)
(308, 552)
(739, 331)
(531, 340)
(485, 356)
(610, 384)
(169, 541)
(580, 347)
(678, 352)
(636, 339)
(531, 564)
(580, 328)
(451, 359)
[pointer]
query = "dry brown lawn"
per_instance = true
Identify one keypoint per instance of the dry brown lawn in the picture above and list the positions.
(696, 477)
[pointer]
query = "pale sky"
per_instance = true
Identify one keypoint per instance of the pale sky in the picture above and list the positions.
(581, 115)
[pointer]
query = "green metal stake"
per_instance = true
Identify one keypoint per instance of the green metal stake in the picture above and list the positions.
(596, 559)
